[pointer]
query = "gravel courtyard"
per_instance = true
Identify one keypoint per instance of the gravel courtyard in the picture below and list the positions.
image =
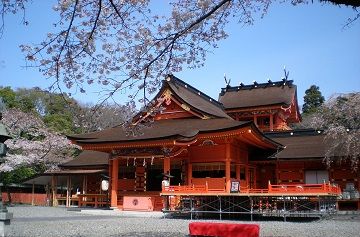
(50, 221)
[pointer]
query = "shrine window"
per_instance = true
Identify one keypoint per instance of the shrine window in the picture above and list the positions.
(127, 172)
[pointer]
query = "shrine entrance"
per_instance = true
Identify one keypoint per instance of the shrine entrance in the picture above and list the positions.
(153, 178)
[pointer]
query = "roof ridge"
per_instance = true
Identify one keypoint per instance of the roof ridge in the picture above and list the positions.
(257, 85)
(189, 87)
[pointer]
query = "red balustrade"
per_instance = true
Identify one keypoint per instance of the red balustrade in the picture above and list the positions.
(325, 188)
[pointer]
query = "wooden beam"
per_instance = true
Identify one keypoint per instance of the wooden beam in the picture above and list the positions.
(32, 194)
(237, 171)
(67, 192)
(84, 186)
(54, 190)
(228, 166)
(253, 109)
(247, 178)
(114, 182)
(189, 173)
(167, 165)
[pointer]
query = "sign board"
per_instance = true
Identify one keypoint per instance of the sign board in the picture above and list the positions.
(235, 187)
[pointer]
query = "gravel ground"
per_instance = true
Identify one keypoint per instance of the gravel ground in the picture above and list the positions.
(50, 221)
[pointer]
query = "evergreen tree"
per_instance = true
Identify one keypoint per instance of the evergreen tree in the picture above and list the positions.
(312, 100)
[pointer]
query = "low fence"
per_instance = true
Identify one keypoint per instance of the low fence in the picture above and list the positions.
(38, 199)
(325, 188)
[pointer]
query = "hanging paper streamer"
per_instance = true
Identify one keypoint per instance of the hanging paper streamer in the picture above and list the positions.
(144, 162)
(152, 160)
(127, 161)
(134, 161)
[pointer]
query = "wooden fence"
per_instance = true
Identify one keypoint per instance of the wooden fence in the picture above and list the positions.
(38, 199)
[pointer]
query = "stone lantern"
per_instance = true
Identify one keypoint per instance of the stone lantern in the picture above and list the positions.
(5, 216)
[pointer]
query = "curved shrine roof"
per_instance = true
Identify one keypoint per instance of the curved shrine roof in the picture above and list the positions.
(209, 116)
(195, 98)
(180, 129)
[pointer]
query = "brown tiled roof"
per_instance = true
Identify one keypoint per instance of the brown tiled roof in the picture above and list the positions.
(62, 176)
(265, 94)
(88, 158)
(195, 98)
(180, 129)
(297, 146)
(74, 172)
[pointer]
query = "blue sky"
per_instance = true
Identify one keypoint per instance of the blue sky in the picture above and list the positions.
(308, 39)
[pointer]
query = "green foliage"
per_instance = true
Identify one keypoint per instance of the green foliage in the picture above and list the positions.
(56, 110)
(62, 123)
(312, 100)
(18, 175)
(15, 99)
(9, 97)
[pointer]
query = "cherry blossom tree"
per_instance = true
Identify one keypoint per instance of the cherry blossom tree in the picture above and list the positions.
(126, 46)
(340, 119)
(32, 143)
(90, 118)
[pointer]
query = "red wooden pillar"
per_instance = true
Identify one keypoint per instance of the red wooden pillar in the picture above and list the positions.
(189, 172)
(167, 165)
(254, 178)
(227, 167)
(54, 190)
(271, 122)
(277, 172)
(237, 171)
(114, 182)
(247, 176)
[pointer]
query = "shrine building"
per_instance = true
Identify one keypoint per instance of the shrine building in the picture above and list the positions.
(234, 155)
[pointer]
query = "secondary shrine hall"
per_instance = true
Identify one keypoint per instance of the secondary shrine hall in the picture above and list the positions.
(234, 155)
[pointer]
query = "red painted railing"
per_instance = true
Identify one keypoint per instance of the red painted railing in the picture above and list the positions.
(325, 188)
(305, 188)
(190, 189)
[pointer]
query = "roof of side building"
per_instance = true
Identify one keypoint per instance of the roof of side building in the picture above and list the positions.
(299, 144)
(88, 158)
